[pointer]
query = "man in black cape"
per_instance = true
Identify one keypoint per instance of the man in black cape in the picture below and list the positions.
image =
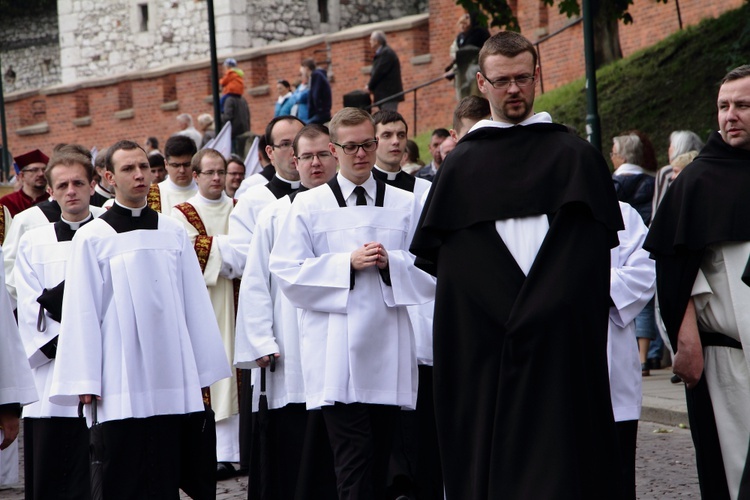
(518, 228)
(700, 239)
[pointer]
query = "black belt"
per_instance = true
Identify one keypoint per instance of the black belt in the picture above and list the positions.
(719, 339)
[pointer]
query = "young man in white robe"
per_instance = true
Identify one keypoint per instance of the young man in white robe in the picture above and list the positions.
(56, 439)
(206, 218)
(16, 386)
(279, 136)
(415, 462)
(179, 186)
(268, 327)
(342, 258)
(135, 336)
(632, 284)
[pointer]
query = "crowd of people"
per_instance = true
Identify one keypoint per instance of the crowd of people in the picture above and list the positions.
(350, 323)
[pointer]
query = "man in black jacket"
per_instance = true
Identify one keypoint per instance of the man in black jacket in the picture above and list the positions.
(385, 75)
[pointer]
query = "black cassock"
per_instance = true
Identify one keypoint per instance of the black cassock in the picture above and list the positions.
(520, 378)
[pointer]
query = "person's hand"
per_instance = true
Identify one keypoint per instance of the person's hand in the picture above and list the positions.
(9, 423)
(265, 361)
(368, 255)
(688, 360)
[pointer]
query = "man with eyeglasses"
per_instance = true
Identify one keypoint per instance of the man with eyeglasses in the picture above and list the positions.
(280, 133)
(235, 175)
(179, 186)
(206, 218)
(518, 229)
(268, 327)
(341, 256)
(30, 172)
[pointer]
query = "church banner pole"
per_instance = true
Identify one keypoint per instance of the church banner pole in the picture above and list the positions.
(214, 66)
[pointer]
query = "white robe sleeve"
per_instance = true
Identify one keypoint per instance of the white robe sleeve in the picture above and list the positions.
(632, 275)
(255, 336)
(16, 381)
(78, 364)
(29, 287)
(319, 283)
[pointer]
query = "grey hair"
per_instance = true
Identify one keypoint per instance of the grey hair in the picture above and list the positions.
(185, 117)
(379, 36)
(683, 141)
(630, 148)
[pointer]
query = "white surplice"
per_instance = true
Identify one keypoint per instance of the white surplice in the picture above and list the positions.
(137, 328)
(268, 321)
(40, 264)
(221, 269)
(248, 182)
(16, 380)
(632, 284)
(356, 345)
(28, 219)
(171, 194)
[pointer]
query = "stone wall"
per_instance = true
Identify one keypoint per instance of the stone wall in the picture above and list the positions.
(30, 52)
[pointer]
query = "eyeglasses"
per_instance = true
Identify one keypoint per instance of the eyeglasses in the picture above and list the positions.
(211, 173)
(35, 170)
(351, 149)
(308, 157)
(185, 165)
(282, 145)
(504, 83)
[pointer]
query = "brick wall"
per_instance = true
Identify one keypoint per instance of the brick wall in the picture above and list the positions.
(137, 105)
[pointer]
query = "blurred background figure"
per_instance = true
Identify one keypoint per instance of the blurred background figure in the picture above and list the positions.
(410, 162)
(286, 99)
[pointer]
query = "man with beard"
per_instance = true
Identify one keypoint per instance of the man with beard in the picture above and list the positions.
(518, 228)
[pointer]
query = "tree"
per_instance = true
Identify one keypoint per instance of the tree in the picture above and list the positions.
(607, 13)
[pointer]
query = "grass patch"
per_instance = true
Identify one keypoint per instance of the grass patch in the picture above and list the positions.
(670, 86)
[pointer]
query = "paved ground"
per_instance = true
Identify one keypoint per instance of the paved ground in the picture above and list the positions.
(665, 463)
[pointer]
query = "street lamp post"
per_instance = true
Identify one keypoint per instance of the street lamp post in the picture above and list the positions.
(214, 66)
(593, 127)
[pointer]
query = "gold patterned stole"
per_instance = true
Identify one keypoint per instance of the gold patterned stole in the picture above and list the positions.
(202, 247)
(154, 197)
(203, 241)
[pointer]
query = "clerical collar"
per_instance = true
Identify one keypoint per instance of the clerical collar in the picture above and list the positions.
(293, 184)
(542, 117)
(103, 191)
(76, 225)
(170, 184)
(209, 201)
(391, 176)
(123, 210)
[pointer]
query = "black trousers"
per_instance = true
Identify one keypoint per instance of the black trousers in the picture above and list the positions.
(361, 437)
(56, 463)
(152, 458)
(627, 435)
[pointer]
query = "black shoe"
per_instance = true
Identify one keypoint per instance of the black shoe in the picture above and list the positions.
(224, 470)
(675, 379)
(645, 372)
(654, 363)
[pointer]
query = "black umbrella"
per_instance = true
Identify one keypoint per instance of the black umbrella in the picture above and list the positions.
(96, 454)
(267, 454)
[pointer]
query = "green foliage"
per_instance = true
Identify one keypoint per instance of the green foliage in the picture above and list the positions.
(498, 12)
(670, 86)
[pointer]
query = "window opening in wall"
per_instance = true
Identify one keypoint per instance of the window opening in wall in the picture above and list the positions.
(323, 10)
(143, 17)
(543, 15)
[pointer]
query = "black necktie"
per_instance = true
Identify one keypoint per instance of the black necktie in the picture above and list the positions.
(360, 192)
